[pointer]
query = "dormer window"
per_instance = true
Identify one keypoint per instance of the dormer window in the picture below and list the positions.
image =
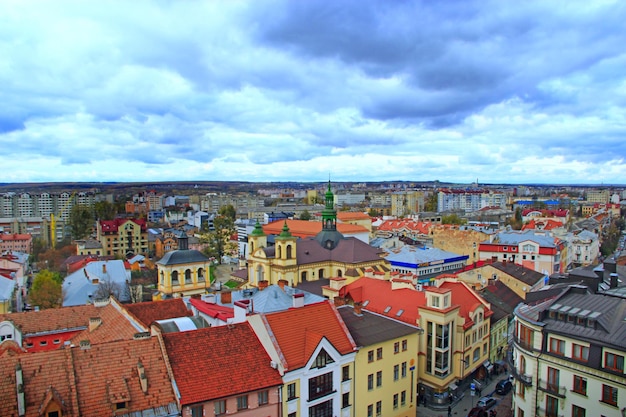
(434, 300)
(322, 359)
(446, 301)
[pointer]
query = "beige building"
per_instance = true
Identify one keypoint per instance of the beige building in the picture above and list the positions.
(458, 239)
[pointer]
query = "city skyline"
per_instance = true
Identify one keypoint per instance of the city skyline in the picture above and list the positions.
(272, 91)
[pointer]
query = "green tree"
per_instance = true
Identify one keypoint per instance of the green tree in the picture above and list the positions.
(104, 210)
(430, 203)
(218, 238)
(46, 291)
(305, 215)
(453, 219)
(81, 221)
(228, 211)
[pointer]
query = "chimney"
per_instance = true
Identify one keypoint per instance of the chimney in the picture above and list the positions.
(19, 384)
(339, 301)
(104, 268)
(94, 323)
(241, 310)
(613, 280)
(504, 262)
(142, 377)
(263, 285)
(494, 259)
(282, 283)
(226, 297)
(357, 309)
(298, 300)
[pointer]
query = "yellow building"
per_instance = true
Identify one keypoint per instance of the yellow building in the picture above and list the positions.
(121, 237)
(385, 363)
(183, 272)
(458, 239)
(328, 254)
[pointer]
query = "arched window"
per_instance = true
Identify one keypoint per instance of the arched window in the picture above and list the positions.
(320, 274)
(200, 274)
(303, 276)
(339, 273)
(174, 277)
(162, 278)
(280, 252)
(522, 364)
(187, 276)
(259, 274)
(288, 251)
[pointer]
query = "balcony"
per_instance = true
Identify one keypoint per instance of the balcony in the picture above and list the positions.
(523, 378)
(541, 411)
(552, 388)
(524, 344)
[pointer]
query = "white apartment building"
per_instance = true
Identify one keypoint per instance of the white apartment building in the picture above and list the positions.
(568, 356)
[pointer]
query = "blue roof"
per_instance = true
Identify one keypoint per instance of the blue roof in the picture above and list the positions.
(413, 255)
(81, 287)
(6, 288)
(516, 237)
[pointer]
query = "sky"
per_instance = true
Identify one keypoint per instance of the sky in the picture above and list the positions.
(306, 90)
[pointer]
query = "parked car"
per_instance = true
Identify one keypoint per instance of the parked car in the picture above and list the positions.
(478, 412)
(503, 387)
(486, 402)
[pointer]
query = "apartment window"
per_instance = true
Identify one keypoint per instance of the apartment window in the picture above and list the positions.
(476, 354)
(580, 385)
(196, 411)
(370, 356)
(609, 394)
(396, 372)
(324, 409)
(580, 353)
(370, 410)
(613, 362)
(370, 382)
(291, 391)
(404, 345)
(345, 373)
(553, 379)
(403, 398)
(466, 362)
(578, 411)
(379, 353)
(552, 406)
(396, 347)
(403, 372)
(219, 407)
(263, 397)
(345, 400)
(379, 408)
(484, 349)
(521, 392)
(322, 359)
(557, 346)
(242, 402)
(320, 386)
(379, 379)
(396, 399)
(520, 412)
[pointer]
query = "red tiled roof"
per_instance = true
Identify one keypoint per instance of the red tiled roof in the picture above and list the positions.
(466, 298)
(352, 215)
(109, 371)
(111, 226)
(379, 295)
(55, 319)
(399, 224)
(114, 326)
(150, 311)
(216, 311)
(304, 228)
(227, 360)
(298, 331)
(542, 224)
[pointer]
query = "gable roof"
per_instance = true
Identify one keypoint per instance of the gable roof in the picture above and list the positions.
(466, 298)
(112, 325)
(378, 296)
(298, 331)
(305, 228)
(368, 328)
(78, 286)
(519, 272)
(51, 320)
(349, 250)
(231, 361)
(112, 226)
(151, 311)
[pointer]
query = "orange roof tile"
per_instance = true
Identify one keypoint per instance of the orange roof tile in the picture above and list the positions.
(109, 371)
(399, 224)
(150, 311)
(228, 360)
(352, 215)
(304, 228)
(379, 296)
(113, 326)
(55, 319)
(467, 298)
(304, 327)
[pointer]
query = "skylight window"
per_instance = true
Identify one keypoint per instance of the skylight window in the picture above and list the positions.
(399, 313)
(387, 309)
